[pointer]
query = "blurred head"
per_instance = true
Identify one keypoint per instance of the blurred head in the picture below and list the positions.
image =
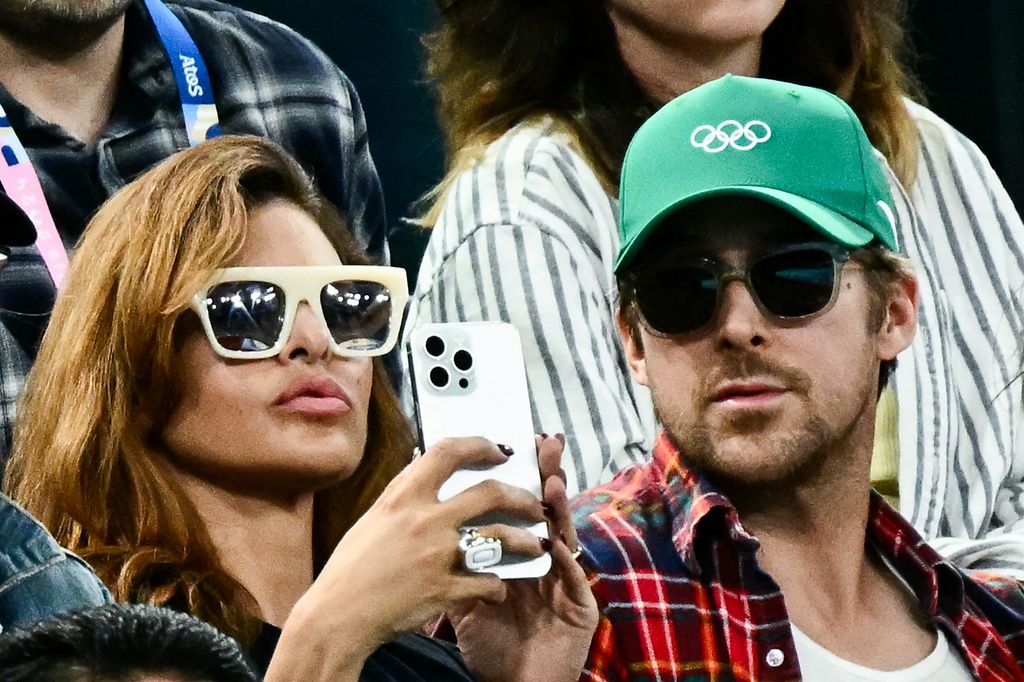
(121, 643)
(154, 399)
(761, 299)
(498, 63)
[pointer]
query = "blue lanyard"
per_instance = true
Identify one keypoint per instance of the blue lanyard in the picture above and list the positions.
(19, 177)
(194, 89)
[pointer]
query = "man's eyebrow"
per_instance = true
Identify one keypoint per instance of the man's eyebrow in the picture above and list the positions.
(667, 256)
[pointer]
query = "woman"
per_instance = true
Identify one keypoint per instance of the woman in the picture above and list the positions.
(540, 99)
(208, 424)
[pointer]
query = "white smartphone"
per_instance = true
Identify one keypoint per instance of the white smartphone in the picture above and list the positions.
(469, 379)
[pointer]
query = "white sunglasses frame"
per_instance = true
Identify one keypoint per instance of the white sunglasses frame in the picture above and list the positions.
(304, 283)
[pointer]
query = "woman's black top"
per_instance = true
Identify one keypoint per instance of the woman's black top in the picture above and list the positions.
(409, 658)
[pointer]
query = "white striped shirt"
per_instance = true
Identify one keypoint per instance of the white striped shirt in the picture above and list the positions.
(960, 414)
(529, 236)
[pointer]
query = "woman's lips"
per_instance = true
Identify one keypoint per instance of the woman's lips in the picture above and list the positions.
(317, 397)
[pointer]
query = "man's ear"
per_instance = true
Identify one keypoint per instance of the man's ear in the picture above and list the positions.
(900, 320)
(634, 346)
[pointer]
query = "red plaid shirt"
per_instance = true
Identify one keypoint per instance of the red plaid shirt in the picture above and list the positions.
(682, 596)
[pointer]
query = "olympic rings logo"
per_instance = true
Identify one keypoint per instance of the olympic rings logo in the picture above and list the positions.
(730, 133)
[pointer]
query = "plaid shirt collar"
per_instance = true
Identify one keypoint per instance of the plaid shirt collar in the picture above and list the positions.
(145, 85)
(698, 510)
(700, 514)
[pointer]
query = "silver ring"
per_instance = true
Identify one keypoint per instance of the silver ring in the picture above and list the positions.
(479, 552)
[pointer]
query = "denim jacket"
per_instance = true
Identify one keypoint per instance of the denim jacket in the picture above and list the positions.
(38, 578)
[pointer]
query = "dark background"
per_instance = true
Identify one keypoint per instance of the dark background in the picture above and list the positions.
(970, 59)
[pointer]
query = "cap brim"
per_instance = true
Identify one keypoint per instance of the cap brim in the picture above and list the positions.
(829, 223)
(16, 228)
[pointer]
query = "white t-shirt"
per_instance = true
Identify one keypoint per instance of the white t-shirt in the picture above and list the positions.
(943, 664)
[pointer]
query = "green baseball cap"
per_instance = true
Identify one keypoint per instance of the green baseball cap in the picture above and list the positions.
(799, 148)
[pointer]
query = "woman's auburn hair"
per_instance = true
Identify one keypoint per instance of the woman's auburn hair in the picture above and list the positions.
(497, 63)
(87, 460)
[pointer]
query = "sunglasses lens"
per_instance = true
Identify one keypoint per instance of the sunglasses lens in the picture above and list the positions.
(795, 283)
(678, 299)
(246, 316)
(358, 314)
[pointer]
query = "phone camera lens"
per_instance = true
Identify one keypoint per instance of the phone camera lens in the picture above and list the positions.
(462, 360)
(463, 382)
(435, 346)
(439, 377)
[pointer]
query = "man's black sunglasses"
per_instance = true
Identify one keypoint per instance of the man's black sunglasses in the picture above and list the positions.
(789, 283)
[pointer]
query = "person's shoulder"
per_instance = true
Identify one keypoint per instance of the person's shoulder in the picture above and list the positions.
(540, 144)
(26, 543)
(222, 16)
(240, 31)
(999, 598)
(1004, 588)
(532, 174)
(620, 522)
(936, 134)
(38, 577)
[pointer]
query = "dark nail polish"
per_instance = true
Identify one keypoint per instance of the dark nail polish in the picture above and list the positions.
(544, 436)
(549, 511)
(561, 438)
(545, 544)
(506, 450)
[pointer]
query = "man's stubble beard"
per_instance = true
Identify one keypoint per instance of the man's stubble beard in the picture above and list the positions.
(59, 25)
(794, 458)
(805, 453)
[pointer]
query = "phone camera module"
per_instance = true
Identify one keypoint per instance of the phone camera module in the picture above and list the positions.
(435, 346)
(439, 377)
(462, 360)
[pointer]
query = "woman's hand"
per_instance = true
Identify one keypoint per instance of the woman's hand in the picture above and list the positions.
(541, 632)
(400, 565)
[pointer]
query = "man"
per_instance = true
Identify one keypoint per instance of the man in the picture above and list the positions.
(764, 304)
(96, 91)
(37, 577)
(122, 643)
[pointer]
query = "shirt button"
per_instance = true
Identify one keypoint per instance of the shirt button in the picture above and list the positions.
(775, 658)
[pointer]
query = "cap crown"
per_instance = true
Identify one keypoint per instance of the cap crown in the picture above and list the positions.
(800, 148)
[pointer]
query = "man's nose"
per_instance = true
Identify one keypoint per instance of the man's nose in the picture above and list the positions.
(740, 322)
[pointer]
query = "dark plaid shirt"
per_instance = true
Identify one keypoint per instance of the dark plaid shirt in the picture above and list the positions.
(682, 597)
(267, 81)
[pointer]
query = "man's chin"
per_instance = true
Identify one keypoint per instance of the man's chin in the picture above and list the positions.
(745, 454)
(755, 475)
